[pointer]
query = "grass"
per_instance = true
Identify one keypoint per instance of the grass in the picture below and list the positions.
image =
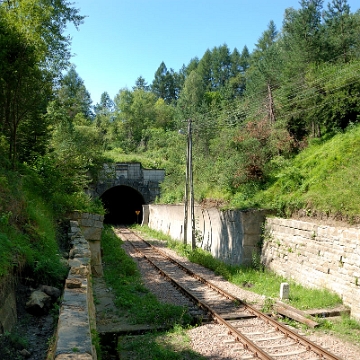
(170, 345)
(132, 298)
(118, 156)
(322, 178)
(347, 328)
(28, 233)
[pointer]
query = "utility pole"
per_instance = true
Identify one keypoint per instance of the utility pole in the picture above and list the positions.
(189, 190)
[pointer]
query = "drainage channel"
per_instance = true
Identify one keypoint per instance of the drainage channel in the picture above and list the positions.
(110, 326)
(108, 343)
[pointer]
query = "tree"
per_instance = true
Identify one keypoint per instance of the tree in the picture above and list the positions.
(302, 46)
(302, 34)
(340, 30)
(192, 94)
(105, 106)
(73, 96)
(221, 66)
(104, 118)
(262, 76)
(164, 115)
(33, 52)
(134, 112)
(165, 84)
(193, 64)
(24, 87)
(43, 23)
(141, 84)
(204, 69)
(244, 59)
(77, 150)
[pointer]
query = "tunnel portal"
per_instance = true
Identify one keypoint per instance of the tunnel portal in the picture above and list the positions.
(122, 204)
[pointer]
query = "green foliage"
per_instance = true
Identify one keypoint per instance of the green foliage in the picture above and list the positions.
(251, 113)
(346, 328)
(321, 178)
(34, 51)
(29, 235)
(275, 129)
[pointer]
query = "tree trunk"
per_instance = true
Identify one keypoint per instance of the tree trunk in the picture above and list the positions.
(271, 105)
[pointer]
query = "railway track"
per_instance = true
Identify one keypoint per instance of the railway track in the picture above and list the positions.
(252, 334)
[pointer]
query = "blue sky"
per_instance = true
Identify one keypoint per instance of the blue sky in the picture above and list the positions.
(123, 39)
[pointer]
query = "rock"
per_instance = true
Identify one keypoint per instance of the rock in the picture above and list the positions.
(73, 283)
(39, 303)
(24, 353)
(54, 292)
(79, 270)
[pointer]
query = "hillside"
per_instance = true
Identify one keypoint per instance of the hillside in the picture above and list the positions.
(322, 179)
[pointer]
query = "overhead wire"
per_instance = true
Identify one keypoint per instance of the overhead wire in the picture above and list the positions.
(302, 93)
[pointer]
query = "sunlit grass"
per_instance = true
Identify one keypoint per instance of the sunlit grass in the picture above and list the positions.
(322, 178)
(171, 345)
(117, 155)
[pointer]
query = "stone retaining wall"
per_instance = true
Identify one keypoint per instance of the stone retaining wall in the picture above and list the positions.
(91, 226)
(316, 256)
(145, 181)
(8, 313)
(231, 236)
(77, 312)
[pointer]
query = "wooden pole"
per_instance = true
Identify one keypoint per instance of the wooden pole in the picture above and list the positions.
(186, 200)
(191, 184)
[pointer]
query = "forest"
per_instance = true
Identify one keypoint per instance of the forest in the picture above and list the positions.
(275, 128)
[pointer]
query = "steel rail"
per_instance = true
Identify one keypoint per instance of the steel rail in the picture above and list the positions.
(278, 326)
(247, 343)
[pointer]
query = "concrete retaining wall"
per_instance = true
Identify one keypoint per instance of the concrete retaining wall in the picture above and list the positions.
(316, 256)
(77, 312)
(231, 236)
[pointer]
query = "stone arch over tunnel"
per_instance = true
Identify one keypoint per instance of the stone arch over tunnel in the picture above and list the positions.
(121, 203)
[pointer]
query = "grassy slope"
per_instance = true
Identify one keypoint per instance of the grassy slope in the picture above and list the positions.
(322, 178)
(28, 235)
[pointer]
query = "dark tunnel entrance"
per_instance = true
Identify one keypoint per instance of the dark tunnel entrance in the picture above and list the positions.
(122, 204)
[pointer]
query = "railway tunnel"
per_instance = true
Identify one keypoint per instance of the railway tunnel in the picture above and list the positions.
(123, 205)
(124, 188)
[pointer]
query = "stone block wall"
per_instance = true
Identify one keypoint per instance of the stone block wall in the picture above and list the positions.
(91, 226)
(77, 312)
(145, 181)
(8, 313)
(231, 236)
(316, 256)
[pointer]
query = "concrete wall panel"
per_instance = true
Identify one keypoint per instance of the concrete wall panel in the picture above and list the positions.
(223, 233)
